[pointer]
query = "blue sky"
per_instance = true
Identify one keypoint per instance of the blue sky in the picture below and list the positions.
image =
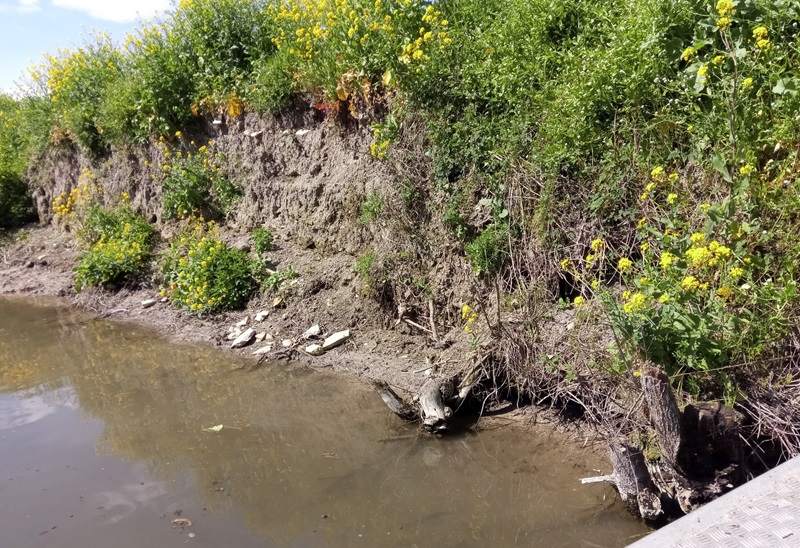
(33, 27)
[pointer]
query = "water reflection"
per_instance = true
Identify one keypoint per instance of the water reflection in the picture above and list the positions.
(308, 458)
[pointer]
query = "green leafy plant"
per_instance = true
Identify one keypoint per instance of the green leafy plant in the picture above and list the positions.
(372, 208)
(489, 250)
(193, 181)
(274, 281)
(117, 245)
(204, 275)
(262, 240)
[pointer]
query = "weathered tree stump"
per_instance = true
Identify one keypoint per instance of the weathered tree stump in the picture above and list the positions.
(699, 453)
(433, 405)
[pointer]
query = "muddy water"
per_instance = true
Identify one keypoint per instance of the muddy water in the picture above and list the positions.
(105, 440)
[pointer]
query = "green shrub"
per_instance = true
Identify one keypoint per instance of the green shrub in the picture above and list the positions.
(204, 275)
(272, 82)
(75, 82)
(16, 207)
(193, 180)
(262, 240)
(223, 39)
(372, 208)
(118, 246)
(489, 250)
(364, 266)
(155, 95)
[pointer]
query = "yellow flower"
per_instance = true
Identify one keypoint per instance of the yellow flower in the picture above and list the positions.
(663, 299)
(702, 71)
(177, 134)
(566, 264)
(690, 283)
(578, 301)
(667, 259)
(725, 7)
(736, 272)
(624, 264)
(590, 258)
(699, 256)
(626, 295)
(636, 303)
(671, 198)
(597, 244)
(746, 169)
(705, 207)
(697, 238)
(642, 223)
(723, 23)
(595, 284)
(747, 83)
(657, 173)
(688, 53)
(724, 292)
(718, 59)
(644, 247)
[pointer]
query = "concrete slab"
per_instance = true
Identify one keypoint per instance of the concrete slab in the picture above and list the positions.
(763, 512)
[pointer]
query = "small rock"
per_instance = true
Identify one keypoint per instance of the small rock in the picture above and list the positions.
(149, 303)
(315, 350)
(287, 343)
(261, 316)
(269, 338)
(570, 326)
(217, 122)
(233, 334)
(244, 322)
(312, 332)
(165, 300)
(301, 132)
(256, 133)
(29, 264)
(277, 303)
(243, 247)
(244, 339)
(41, 258)
(262, 350)
(336, 339)
(261, 336)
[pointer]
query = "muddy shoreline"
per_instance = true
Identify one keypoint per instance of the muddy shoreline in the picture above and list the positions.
(37, 262)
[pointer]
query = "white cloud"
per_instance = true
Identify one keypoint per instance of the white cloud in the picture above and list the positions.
(21, 6)
(116, 10)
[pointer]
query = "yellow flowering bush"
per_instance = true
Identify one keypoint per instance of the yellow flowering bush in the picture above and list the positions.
(117, 243)
(697, 293)
(350, 47)
(75, 82)
(202, 274)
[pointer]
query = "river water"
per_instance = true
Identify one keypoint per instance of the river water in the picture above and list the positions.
(107, 438)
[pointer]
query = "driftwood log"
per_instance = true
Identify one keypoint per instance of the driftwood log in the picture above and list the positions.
(436, 401)
(696, 457)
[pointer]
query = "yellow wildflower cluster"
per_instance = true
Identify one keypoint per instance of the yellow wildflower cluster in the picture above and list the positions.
(67, 206)
(309, 23)
(9, 121)
(624, 264)
(189, 287)
(470, 317)
(636, 302)
(414, 51)
(761, 37)
(69, 74)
